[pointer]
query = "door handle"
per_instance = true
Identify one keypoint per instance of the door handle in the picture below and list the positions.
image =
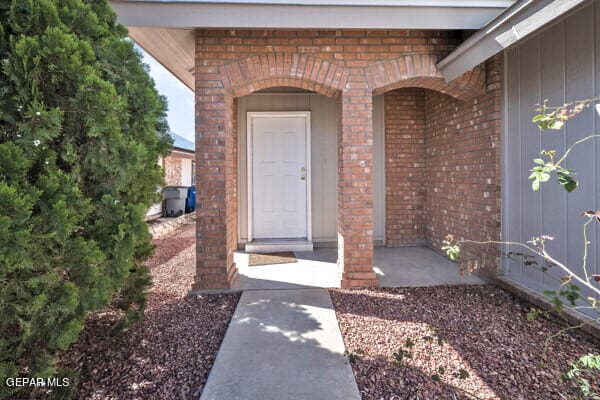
(303, 177)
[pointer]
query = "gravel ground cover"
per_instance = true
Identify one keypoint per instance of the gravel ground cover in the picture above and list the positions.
(484, 331)
(170, 353)
(168, 247)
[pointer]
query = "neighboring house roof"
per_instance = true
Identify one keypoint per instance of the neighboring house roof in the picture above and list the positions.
(165, 29)
(181, 143)
(514, 24)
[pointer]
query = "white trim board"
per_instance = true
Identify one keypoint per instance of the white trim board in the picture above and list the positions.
(382, 14)
(282, 114)
(349, 3)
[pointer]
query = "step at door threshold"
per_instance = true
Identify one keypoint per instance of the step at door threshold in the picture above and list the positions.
(278, 245)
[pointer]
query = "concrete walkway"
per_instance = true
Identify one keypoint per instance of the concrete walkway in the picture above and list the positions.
(282, 344)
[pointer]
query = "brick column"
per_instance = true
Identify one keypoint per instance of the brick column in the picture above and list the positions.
(355, 183)
(216, 170)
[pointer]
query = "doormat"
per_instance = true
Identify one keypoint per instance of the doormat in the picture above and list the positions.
(256, 259)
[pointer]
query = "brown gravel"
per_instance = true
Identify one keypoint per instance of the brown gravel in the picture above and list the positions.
(168, 247)
(169, 354)
(485, 331)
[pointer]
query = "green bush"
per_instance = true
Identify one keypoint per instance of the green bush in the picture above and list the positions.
(81, 129)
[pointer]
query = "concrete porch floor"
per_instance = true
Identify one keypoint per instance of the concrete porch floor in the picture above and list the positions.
(395, 267)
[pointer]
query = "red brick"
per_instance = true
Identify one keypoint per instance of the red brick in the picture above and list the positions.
(348, 65)
(463, 168)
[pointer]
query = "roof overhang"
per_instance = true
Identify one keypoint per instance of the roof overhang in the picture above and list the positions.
(173, 48)
(516, 23)
(182, 153)
(306, 14)
(165, 28)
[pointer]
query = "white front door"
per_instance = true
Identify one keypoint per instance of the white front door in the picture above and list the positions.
(279, 173)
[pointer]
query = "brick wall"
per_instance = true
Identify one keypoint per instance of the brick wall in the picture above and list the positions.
(347, 47)
(349, 65)
(443, 167)
(173, 170)
(405, 167)
(463, 166)
(244, 61)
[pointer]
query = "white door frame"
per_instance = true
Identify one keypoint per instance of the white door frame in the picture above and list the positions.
(279, 114)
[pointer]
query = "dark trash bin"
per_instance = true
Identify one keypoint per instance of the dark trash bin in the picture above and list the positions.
(190, 201)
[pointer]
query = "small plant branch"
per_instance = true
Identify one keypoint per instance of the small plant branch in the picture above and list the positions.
(573, 275)
(541, 253)
(557, 334)
(583, 140)
(586, 244)
(543, 270)
(467, 392)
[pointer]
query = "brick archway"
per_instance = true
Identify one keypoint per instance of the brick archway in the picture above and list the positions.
(348, 85)
(248, 75)
(420, 70)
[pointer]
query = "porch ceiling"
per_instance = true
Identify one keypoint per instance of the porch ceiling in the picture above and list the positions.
(165, 28)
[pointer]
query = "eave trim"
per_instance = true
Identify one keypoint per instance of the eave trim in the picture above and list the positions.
(516, 23)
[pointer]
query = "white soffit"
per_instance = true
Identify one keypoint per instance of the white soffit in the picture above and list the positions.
(173, 48)
(332, 14)
(516, 23)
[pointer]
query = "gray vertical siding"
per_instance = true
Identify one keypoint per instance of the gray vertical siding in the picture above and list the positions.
(561, 63)
(323, 157)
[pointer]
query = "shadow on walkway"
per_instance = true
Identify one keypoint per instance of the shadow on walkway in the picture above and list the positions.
(282, 344)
